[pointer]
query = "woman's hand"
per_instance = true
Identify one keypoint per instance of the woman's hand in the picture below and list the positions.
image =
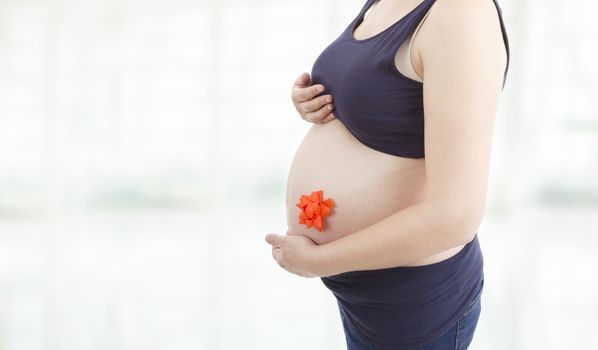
(313, 109)
(294, 253)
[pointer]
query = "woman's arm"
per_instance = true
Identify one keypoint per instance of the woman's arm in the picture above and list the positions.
(463, 55)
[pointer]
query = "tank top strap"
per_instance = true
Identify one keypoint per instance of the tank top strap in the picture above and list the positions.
(397, 33)
(409, 22)
(398, 30)
(505, 40)
(364, 8)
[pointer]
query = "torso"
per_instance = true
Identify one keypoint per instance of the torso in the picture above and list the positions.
(366, 185)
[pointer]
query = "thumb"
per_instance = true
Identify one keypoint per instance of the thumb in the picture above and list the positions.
(303, 80)
(274, 239)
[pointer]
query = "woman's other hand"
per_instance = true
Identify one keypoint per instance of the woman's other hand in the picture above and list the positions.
(313, 108)
(295, 253)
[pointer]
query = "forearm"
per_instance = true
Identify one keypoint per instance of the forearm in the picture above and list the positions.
(404, 237)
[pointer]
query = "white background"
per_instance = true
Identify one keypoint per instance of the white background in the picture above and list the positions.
(144, 148)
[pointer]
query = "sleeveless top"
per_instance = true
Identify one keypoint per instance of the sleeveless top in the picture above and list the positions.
(401, 307)
(379, 105)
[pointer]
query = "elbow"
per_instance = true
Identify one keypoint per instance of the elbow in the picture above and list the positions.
(466, 224)
(466, 232)
(459, 224)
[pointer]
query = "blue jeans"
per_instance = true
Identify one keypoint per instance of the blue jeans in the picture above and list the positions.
(458, 337)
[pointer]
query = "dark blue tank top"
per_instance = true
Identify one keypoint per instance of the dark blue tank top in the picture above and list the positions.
(402, 307)
(380, 106)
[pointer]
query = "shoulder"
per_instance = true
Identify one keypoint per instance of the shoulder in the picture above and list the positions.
(464, 30)
(463, 18)
(464, 12)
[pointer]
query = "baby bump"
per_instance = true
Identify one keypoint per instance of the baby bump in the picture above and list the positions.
(365, 185)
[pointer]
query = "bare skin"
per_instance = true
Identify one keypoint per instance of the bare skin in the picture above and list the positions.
(367, 185)
(460, 56)
(317, 110)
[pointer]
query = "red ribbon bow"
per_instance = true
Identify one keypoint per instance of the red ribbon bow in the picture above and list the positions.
(314, 209)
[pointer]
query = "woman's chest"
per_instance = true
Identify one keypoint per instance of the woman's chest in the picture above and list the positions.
(380, 106)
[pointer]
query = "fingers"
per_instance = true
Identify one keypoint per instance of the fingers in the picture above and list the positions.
(302, 94)
(301, 90)
(328, 118)
(321, 116)
(302, 80)
(317, 109)
(317, 103)
(277, 256)
(312, 108)
(276, 253)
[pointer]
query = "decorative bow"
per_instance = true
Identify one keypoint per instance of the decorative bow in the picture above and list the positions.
(314, 209)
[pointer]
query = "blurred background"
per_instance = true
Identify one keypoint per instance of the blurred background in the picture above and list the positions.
(138, 176)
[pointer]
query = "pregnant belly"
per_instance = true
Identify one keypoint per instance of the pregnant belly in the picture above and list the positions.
(366, 185)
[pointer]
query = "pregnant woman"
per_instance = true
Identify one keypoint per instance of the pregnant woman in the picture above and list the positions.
(401, 144)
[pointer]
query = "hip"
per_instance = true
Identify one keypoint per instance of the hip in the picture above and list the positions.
(409, 305)
(457, 337)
